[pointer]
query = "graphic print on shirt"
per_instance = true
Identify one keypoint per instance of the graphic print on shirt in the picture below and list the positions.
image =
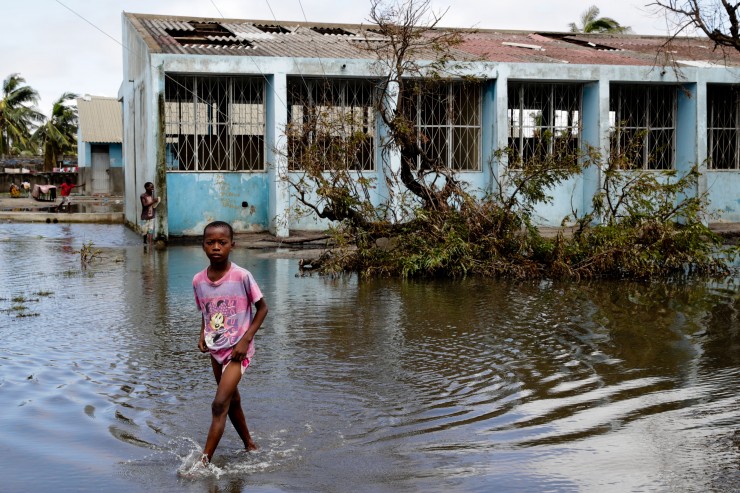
(222, 329)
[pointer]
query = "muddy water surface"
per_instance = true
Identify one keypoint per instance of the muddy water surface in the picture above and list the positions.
(360, 386)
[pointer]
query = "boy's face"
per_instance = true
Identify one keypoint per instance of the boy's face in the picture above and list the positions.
(217, 244)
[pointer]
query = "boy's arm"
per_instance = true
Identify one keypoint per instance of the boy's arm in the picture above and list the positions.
(241, 347)
(202, 342)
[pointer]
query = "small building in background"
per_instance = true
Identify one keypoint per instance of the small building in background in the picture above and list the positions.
(100, 145)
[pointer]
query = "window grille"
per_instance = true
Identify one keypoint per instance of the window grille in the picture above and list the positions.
(723, 132)
(214, 123)
(544, 120)
(333, 117)
(447, 117)
(643, 126)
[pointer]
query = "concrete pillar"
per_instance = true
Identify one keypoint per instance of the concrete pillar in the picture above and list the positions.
(388, 161)
(687, 132)
(500, 133)
(595, 134)
(276, 121)
(489, 125)
(687, 127)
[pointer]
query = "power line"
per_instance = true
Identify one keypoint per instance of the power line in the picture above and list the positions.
(172, 79)
(217, 9)
(321, 64)
(93, 25)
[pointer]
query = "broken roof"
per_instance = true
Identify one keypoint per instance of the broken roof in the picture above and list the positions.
(100, 119)
(211, 36)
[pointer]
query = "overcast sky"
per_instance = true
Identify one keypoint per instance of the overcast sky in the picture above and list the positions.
(50, 44)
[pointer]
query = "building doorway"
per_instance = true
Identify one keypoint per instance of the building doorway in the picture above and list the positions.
(100, 169)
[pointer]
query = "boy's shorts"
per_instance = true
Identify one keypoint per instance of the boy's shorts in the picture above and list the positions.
(148, 226)
(224, 357)
(245, 365)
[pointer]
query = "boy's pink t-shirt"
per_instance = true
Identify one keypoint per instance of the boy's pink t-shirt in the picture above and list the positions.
(226, 306)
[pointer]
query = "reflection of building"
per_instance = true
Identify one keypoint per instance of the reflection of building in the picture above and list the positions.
(207, 102)
(99, 145)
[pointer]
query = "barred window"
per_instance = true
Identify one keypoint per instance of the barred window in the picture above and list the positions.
(722, 126)
(544, 120)
(643, 121)
(447, 118)
(214, 123)
(331, 122)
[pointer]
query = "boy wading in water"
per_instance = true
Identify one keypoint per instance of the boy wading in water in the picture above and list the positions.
(225, 293)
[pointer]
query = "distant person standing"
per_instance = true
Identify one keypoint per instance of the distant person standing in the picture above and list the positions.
(148, 203)
(66, 189)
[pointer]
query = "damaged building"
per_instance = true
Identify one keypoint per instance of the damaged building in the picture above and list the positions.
(206, 103)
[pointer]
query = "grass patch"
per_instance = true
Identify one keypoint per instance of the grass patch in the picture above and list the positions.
(24, 315)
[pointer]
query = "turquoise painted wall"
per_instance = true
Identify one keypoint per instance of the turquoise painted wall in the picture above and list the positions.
(195, 199)
(115, 152)
(723, 188)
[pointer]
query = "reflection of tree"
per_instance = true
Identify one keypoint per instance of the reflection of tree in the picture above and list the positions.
(465, 347)
(721, 323)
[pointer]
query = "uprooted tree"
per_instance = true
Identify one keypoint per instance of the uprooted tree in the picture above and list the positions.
(420, 219)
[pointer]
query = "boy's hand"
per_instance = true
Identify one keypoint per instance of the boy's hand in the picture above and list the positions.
(240, 349)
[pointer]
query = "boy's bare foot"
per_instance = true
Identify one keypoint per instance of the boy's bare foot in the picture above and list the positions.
(251, 446)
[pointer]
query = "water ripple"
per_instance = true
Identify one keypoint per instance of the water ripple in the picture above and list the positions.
(384, 385)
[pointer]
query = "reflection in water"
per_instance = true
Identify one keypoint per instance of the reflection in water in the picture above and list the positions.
(375, 386)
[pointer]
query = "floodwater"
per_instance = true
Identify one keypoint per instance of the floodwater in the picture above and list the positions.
(381, 386)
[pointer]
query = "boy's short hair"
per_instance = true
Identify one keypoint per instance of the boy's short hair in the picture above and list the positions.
(148, 183)
(219, 224)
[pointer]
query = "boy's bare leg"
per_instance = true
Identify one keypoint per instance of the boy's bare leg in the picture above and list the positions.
(236, 413)
(227, 382)
(236, 416)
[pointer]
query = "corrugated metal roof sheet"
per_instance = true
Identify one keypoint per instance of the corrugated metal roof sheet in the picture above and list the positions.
(324, 40)
(100, 119)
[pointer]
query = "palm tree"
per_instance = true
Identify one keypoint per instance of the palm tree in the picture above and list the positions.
(59, 134)
(592, 23)
(17, 115)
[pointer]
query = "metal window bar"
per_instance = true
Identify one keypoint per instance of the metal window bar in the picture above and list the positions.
(214, 123)
(448, 117)
(544, 120)
(643, 135)
(334, 118)
(723, 127)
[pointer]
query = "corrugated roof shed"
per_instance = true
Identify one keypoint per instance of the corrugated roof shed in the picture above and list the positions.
(100, 119)
(212, 36)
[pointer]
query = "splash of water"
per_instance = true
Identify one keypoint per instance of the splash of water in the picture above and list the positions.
(196, 466)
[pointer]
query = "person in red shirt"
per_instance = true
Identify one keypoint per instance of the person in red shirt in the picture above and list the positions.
(65, 190)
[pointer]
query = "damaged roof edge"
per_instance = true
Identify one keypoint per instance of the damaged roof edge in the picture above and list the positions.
(167, 34)
(272, 22)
